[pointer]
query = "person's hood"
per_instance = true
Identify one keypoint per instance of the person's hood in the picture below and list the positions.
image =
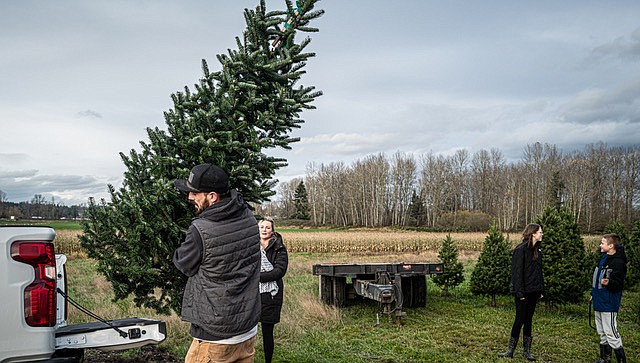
(274, 238)
(620, 254)
(226, 208)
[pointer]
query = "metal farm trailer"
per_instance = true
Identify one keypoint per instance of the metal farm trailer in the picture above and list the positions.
(392, 285)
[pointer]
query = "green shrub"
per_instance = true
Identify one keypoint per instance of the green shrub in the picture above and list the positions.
(492, 272)
(566, 274)
(453, 269)
(472, 221)
(632, 249)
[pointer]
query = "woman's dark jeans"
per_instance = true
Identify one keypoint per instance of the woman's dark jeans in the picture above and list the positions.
(524, 315)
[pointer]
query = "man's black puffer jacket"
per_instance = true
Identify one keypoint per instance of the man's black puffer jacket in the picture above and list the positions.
(222, 297)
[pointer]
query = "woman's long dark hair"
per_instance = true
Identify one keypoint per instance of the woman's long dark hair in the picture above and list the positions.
(527, 236)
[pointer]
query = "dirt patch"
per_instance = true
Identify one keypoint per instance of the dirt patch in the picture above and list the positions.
(146, 354)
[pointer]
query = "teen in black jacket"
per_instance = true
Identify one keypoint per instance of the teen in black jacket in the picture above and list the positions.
(606, 295)
(527, 285)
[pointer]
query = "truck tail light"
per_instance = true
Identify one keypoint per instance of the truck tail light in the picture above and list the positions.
(40, 295)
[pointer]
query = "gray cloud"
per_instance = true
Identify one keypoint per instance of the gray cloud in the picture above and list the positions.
(620, 48)
(22, 185)
(89, 114)
(347, 144)
(7, 159)
(620, 104)
(10, 175)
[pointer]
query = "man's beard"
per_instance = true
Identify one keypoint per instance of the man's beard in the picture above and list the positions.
(202, 207)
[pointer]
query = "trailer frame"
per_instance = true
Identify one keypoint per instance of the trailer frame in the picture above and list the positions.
(393, 285)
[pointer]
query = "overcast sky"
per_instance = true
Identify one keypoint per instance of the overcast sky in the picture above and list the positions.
(81, 80)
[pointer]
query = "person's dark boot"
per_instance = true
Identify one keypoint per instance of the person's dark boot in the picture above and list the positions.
(510, 348)
(526, 343)
(605, 354)
(620, 356)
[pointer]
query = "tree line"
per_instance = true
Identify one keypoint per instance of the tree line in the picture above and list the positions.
(598, 184)
(38, 208)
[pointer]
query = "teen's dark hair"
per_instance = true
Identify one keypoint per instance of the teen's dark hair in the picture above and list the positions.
(527, 236)
(613, 239)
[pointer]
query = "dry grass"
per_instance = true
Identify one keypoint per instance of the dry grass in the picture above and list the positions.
(591, 241)
(68, 243)
(306, 306)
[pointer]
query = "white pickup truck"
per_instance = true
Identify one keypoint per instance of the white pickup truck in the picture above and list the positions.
(33, 306)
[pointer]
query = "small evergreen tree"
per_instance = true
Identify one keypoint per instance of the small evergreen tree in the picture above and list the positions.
(632, 249)
(556, 190)
(416, 209)
(492, 273)
(230, 119)
(301, 202)
(566, 276)
(452, 275)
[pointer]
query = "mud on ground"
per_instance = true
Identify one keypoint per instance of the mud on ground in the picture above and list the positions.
(146, 354)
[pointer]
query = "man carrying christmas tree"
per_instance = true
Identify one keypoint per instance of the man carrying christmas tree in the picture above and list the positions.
(606, 294)
(221, 256)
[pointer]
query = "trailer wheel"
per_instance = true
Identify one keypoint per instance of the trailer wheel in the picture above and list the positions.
(407, 291)
(326, 289)
(420, 291)
(339, 291)
(414, 291)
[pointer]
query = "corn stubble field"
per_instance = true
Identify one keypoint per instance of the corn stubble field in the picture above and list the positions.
(356, 241)
(458, 328)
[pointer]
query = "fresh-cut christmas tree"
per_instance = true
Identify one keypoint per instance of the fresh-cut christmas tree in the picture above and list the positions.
(230, 118)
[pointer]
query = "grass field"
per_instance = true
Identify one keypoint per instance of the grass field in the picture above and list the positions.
(458, 328)
(57, 225)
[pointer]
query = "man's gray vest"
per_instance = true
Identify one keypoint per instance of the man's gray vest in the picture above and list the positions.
(223, 297)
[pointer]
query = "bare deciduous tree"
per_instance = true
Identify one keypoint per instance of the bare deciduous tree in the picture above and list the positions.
(598, 185)
(403, 179)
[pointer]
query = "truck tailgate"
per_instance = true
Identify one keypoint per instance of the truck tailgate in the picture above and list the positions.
(98, 335)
